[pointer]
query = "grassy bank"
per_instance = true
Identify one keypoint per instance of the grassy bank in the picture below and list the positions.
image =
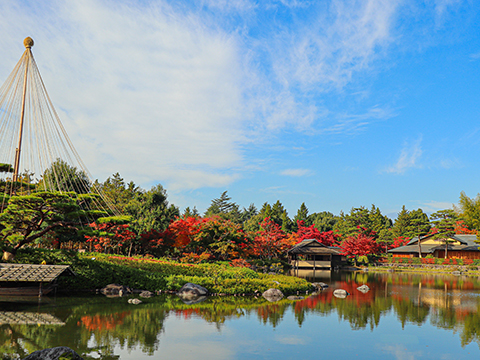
(95, 271)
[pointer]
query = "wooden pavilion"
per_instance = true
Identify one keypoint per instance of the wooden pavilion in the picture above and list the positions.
(28, 279)
(458, 246)
(311, 254)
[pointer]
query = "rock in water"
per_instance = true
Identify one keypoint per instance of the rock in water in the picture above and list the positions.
(115, 290)
(191, 291)
(54, 354)
(364, 289)
(320, 285)
(273, 295)
(340, 293)
(146, 294)
(134, 301)
(295, 297)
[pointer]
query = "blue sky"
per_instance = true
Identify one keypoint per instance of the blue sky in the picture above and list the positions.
(337, 104)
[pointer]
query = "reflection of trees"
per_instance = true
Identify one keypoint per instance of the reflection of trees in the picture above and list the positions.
(96, 326)
(409, 311)
(93, 328)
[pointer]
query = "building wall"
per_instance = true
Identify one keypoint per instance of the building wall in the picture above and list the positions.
(455, 254)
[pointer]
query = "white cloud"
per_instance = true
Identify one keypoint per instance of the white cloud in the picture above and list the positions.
(409, 157)
(147, 91)
(296, 172)
(433, 206)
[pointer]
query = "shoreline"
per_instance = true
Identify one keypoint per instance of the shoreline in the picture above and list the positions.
(455, 270)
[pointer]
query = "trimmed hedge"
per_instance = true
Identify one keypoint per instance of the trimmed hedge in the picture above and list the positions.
(96, 270)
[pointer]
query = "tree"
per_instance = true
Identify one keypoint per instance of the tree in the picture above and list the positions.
(361, 218)
(222, 238)
(225, 208)
(150, 210)
(29, 217)
(111, 234)
(270, 241)
(302, 215)
(117, 192)
(360, 245)
(327, 238)
(410, 224)
(445, 222)
(61, 176)
(323, 221)
(249, 212)
(469, 210)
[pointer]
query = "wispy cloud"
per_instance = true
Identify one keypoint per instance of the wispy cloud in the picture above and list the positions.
(433, 206)
(409, 156)
(296, 172)
(145, 90)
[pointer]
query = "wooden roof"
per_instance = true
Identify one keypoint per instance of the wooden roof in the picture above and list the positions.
(32, 273)
(312, 246)
(28, 318)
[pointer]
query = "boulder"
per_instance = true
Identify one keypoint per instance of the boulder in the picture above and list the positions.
(340, 293)
(456, 273)
(134, 301)
(146, 294)
(273, 295)
(295, 297)
(320, 285)
(54, 354)
(364, 289)
(191, 291)
(114, 290)
(7, 256)
(196, 300)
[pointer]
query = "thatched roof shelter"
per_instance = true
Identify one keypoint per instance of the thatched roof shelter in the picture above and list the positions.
(32, 273)
(313, 247)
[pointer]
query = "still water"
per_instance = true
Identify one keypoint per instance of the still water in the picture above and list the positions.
(403, 316)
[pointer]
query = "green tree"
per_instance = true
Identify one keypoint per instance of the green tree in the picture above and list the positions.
(469, 210)
(323, 221)
(445, 221)
(302, 215)
(410, 224)
(117, 192)
(362, 220)
(225, 208)
(29, 217)
(61, 176)
(150, 210)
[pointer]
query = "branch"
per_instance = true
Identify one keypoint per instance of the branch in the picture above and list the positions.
(31, 238)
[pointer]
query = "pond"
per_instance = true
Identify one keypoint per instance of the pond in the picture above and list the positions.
(403, 316)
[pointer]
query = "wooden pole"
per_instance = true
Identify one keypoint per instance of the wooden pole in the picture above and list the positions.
(28, 42)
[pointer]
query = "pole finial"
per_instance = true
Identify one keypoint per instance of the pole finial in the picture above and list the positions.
(28, 42)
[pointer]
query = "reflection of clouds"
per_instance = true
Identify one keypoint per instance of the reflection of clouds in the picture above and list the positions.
(208, 343)
(400, 353)
(291, 340)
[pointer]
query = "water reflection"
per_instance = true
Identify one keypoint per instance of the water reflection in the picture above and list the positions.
(96, 327)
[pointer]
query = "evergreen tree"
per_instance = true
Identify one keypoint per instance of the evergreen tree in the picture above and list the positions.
(445, 221)
(323, 221)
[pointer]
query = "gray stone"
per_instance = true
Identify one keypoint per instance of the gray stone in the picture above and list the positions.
(340, 293)
(191, 291)
(294, 297)
(273, 295)
(115, 290)
(134, 301)
(196, 300)
(146, 294)
(54, 354)
(364, 289)
(456, 272)
(320, 285)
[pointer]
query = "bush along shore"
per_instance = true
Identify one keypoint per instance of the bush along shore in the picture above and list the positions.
(429, 265)
(95, 271)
